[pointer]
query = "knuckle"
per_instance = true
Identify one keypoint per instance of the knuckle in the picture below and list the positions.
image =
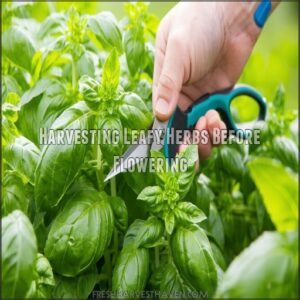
(167, 81)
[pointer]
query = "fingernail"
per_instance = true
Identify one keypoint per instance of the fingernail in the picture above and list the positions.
(162, 106)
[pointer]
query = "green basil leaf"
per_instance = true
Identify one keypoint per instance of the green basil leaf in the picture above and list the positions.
(134, 48)
(218, 256)
(161, 173)
(144, 233)
(185, 179)
(134, 112)
(44, 60)
(106, 29)
(54, 24)
(89, 89)
(132, 232)
(112, 148)
(279, 100)
(86, 219)
(78, 287)
(169, 222)
(9, 84)
(149, 59)
(187, 212)
(172, 284)
(294, 130)
(39, 88)
(270, 264)
(22, 156)
(193, 258)
(131, 272)
(19, 252)
(59, 164)
(231, 162)
(44, 271)
(40, 106)
(236, 232)
(13, 195)
(215, 225)
(36, 65)
(9, 131)
(111, 73)
(10, 111)
(279, 191)
(43, 285)
(204, 195)
(151, 195)
(85, 65)
(137, 182)
(144, 89)
(151, 233)
(259, 207)
(120, 213)
(13, 98)
(15, 41)
(286, 151)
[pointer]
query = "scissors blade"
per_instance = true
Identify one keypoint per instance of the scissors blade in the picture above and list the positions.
(160, 128)
(137, 152)
(140, 151)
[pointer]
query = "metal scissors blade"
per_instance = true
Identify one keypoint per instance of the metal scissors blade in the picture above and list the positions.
(137, 153)
(159, 128)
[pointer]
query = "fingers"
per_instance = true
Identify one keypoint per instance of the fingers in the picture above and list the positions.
(160, 49)
(204, 147)
(213, 122)
(210, 123)
(214, 126)
(170, 79)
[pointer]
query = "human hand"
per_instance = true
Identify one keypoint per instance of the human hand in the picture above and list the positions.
(201, 47)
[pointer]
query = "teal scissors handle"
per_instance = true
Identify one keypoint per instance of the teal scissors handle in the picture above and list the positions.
(219, 101)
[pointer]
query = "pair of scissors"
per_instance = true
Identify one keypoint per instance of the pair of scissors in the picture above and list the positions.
(180, 120)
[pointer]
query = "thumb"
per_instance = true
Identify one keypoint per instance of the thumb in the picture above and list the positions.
(170, 81)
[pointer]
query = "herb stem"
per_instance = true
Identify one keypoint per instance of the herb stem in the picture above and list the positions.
(113, 192)
(116, 245)
(74, 75)
(102, 277)
(113, 187)
(108, 267)
(99, 173)
(169, 248)
(156, 253)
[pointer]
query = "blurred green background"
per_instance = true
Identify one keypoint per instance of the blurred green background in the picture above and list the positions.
(273, 61)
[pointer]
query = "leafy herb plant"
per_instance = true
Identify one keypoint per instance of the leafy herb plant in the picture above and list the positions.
(229, 231)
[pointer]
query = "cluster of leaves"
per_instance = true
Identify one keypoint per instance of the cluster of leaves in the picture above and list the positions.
(164, 200)
(65, 232)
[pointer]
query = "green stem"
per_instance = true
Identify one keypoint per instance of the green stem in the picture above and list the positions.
(113, 192)
(113, 187)
(108, 268)
(102, 277)
(170, 250)
(156, 253)
(99, 173)
(74, 75)
(115, 246)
